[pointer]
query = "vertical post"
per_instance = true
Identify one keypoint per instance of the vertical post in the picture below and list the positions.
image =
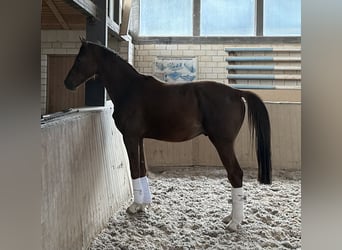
(96, 31)
(196, 19)
(126, 11)
(259, 17)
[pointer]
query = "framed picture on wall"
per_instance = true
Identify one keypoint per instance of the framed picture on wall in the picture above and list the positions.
(176, 69)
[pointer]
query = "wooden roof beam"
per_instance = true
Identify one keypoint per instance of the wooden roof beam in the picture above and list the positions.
(126, 10)
(57, 14)
(86, 6)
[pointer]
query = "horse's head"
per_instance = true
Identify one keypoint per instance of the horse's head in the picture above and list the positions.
(85, 66)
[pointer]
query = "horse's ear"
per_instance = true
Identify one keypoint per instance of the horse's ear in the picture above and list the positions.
(82, 39)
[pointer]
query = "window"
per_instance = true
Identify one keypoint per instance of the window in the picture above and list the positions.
(166, 18)
(282, 17)
(220, 18)
(113, 10)
(227, 17)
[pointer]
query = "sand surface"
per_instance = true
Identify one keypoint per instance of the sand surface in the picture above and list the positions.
(190, 203)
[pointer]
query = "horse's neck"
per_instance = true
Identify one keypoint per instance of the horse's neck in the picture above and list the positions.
(120, 80)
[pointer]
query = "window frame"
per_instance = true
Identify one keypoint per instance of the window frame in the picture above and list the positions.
(255, 38)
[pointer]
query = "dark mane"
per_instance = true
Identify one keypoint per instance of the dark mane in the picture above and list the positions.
(112, 53)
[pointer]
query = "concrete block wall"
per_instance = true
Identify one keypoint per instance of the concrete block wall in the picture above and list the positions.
(289, 83)
(210, 57)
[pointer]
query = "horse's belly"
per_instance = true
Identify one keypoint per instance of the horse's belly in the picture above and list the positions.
(176, 133)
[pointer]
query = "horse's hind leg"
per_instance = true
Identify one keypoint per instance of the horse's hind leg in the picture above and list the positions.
(225, 149)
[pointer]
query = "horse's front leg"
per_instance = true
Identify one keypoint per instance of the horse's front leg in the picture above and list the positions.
(141, 190)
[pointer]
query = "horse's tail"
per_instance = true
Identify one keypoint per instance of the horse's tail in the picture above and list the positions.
(259, 124)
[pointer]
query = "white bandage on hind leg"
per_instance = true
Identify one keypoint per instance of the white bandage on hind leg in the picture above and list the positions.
(146, 190)
(237, 210)
(141, 190)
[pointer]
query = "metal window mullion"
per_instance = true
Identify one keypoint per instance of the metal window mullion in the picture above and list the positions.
(259, 18)
(196, 18)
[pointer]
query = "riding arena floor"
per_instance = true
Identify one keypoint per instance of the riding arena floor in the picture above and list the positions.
(188, 206)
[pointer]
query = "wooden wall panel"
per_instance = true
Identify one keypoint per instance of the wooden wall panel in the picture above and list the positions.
(85, 178)
(168, 153)
(59, 97)
(286, 134)
(286, 144)
(279, 95)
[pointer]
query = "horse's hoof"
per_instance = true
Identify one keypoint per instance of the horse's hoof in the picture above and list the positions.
(136, 207)
(233, 226)
(227, 219)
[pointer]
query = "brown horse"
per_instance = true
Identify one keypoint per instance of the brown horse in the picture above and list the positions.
(145, 107)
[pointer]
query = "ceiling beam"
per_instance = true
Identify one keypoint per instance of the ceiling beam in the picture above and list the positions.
(126, 10)
(57, 14)
(86, 6)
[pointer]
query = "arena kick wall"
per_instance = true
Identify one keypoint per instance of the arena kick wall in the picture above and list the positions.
(85, 177)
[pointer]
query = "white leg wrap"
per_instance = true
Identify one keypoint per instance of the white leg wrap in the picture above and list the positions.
(146, 190)
(142, 195)
(237, 210)
(141, 190)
